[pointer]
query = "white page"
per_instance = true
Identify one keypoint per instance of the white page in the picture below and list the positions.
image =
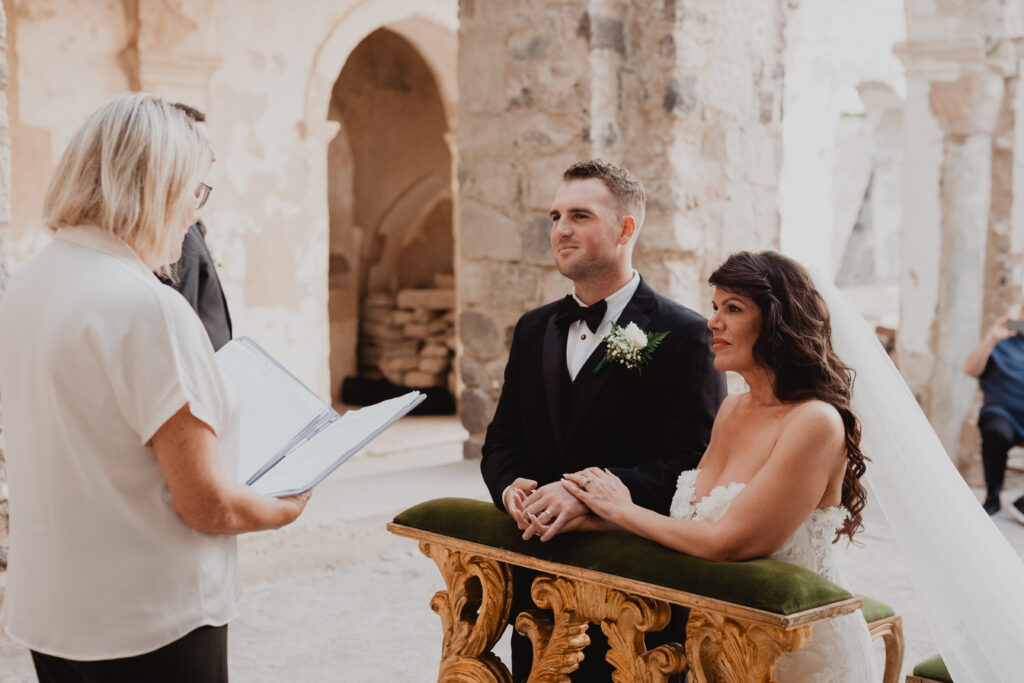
(307, 465)
(275, 406)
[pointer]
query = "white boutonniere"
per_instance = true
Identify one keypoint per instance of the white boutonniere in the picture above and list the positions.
(630, 346)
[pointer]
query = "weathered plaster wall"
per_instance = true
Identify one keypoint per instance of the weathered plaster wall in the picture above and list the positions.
(687, 96)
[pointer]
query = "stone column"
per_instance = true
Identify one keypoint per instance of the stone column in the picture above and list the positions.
(686, 96)
(954, 200)
(5, 223)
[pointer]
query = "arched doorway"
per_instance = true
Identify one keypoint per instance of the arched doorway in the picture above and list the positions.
(391, 274)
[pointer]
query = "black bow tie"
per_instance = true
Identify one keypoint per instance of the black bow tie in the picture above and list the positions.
(569, 312)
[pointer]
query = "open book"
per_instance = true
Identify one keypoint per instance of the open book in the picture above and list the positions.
(291, 439)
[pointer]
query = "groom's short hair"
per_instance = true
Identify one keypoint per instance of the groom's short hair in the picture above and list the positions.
(625, 187)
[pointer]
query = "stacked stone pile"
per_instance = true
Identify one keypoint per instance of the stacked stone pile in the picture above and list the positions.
(408, 338)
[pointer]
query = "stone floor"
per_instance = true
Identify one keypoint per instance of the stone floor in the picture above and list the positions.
(337, 598)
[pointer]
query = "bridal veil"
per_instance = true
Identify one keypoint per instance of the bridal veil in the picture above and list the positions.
(969, 578)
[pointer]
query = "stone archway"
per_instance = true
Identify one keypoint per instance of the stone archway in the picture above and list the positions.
(391, 273)
(429, 25)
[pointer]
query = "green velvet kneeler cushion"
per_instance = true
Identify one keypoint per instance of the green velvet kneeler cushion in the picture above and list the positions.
(768, 585)
(874, 610)
(933, 668)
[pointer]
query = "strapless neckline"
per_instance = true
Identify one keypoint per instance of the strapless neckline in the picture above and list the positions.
(716, 501)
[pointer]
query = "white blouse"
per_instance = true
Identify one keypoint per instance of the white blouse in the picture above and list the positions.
(95, 355)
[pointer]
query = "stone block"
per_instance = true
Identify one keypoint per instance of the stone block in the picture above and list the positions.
(477, 410)
(380, 299)
(680, 95)
(529, 46)
(430, 299)
(536, 238)
(472, 446)
(402, 317)
(422, 315)
(473, 373)
(542, 176)
(396, 377)
(434, 350)
(514, 285)
(434, 366)
(425, 379)
(554, 285)
(416, 331)
(371, 373)
(375, 316)
(391, 349)
(605, 33)
(487, 233)
(378, 331)
(439, 327)
(400, 364)
(480, 334)
(444, 281)
(473, 282)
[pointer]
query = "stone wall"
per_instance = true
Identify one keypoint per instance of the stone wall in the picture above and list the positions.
(687, 95)
(5, 223)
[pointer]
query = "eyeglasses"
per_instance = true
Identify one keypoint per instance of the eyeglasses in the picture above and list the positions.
(202, 194)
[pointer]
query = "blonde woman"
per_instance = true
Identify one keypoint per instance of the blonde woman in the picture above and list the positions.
(121, 433)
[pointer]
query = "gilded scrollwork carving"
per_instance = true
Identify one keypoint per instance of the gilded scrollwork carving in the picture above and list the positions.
(474, 611)
(560, 636)
(725, 650)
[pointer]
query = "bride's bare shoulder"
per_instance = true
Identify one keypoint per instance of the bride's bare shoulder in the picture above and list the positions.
(817, 418)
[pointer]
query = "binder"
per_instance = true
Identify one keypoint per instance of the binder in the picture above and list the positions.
(290, 438)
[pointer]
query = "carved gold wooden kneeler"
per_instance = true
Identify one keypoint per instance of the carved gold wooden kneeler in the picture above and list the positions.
(726, 642)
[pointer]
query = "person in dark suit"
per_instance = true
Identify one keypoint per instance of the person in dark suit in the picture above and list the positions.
(195, 275)
(560, 410)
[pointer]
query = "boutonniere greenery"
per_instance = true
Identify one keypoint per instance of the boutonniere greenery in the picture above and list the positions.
(630, 346)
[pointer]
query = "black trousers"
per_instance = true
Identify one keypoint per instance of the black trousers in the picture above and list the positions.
(997, 438)
(197, 657)
(594, 668)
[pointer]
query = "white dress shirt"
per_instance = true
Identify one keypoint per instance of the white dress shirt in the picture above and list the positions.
(582, 342)
(95, 356)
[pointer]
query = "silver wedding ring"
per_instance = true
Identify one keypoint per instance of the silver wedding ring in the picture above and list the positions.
(586, 480)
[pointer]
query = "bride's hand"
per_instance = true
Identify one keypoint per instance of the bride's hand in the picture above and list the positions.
(599, 490)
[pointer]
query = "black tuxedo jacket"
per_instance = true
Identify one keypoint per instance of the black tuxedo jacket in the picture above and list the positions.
(196, 279)
(646, 428)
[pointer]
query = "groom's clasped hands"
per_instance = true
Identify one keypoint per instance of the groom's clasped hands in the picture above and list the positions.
(565, 505)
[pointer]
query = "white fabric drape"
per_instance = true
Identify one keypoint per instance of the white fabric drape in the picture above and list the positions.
(968, 577)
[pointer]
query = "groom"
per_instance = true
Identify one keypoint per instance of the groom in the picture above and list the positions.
(558, 412)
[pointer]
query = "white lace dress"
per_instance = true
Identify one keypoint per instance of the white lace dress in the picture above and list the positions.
(840, 649)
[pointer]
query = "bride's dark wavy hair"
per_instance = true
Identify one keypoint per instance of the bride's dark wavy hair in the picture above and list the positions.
(795, 343)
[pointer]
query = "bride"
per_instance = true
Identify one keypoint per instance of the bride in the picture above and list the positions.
(780, 476)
